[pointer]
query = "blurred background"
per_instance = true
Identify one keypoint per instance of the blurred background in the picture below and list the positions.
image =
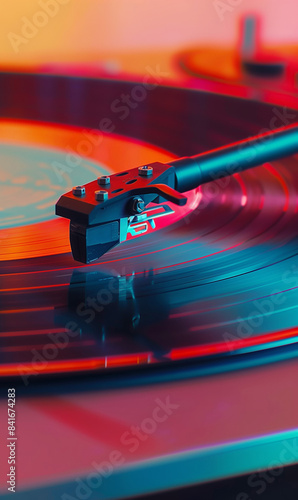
(115, 32)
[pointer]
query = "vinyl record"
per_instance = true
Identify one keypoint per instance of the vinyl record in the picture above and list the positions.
(217, 278)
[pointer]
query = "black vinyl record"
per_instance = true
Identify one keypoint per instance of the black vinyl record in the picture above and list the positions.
(216, 281)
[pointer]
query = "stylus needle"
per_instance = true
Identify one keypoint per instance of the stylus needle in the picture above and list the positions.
(102, 218)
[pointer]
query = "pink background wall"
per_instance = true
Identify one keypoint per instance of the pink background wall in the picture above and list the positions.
(94, 27)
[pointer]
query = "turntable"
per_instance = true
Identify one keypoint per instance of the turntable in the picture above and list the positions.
(169, 361)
